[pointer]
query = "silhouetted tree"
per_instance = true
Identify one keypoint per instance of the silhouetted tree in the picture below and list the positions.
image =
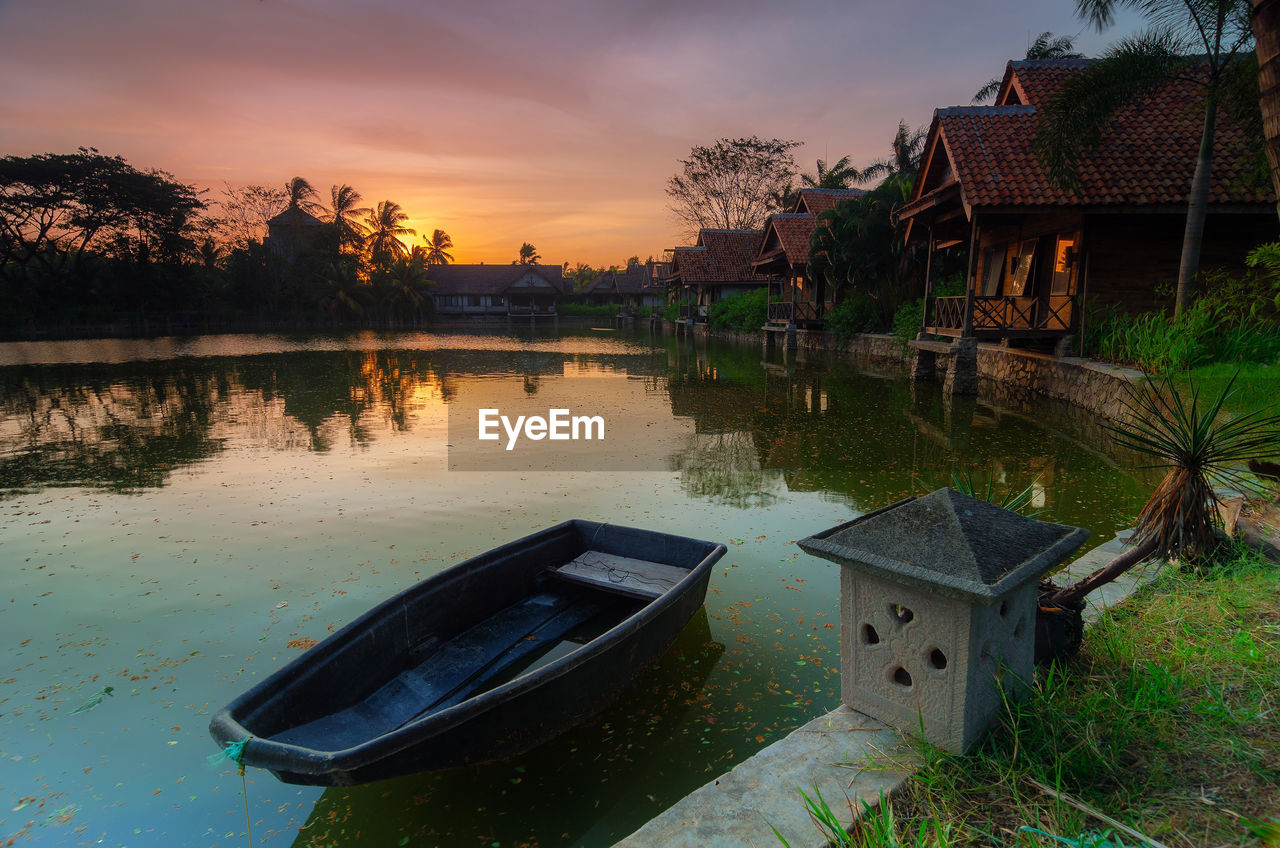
(733, 184)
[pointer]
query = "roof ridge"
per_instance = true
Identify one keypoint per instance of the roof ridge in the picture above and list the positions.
(1051, 63)
(965, 111)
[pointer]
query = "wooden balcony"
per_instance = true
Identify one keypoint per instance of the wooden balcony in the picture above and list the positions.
(1005, 317)
(801, 312)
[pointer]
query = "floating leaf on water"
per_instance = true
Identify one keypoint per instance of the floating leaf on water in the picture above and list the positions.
(98, 698)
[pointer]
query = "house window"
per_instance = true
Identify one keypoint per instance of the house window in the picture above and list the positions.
(496, 300)
(1065, 256)
(1020, 272)
(473, 300)
(992, 270)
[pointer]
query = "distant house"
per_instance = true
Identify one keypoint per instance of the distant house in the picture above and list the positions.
(294, 232)
(515, 290)
(783, 255)
(637, 286)
(718, 266)
(1037, 251)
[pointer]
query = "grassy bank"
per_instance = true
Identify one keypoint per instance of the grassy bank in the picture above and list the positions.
(1168, 721)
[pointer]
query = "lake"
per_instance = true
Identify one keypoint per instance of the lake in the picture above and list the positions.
(179, 517)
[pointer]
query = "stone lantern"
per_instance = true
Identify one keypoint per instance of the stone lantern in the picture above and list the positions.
(938, 604)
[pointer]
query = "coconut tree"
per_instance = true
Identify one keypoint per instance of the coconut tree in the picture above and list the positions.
(1046, 46)
(840, 174)
(438, 248)
(1196, 41)
(1266, 32)
(300, 194)
(904, 158)
(528, 254)
(386, 226)
(346, 213)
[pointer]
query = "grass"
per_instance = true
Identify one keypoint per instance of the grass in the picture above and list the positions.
(1168, 721)
(1257, 387)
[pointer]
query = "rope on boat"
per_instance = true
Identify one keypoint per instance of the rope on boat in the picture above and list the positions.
(234, 752)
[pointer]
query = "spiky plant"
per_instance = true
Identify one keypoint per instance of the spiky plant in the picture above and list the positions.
(1185, 437)
(962, 482)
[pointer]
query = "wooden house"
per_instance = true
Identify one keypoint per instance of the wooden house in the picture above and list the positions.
(1037, 251)
(783, 255)
(295, 232)
(637, 286)
(717, 267)
(498, 290)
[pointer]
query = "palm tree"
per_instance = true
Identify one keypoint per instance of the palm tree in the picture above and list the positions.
(906, 149)
(1266, 32)
(1044, 47)
(346, 217)
(838, 175)
(528, 254)
(1196, 41)
(438, 248)
(386, 225)
(300, 194)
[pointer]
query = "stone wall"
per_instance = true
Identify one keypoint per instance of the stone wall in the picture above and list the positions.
(1095, 386)
(1005, 374)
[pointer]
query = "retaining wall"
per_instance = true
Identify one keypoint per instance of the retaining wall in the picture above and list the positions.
(1007, 374)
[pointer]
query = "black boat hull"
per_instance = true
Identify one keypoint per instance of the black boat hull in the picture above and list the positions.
(503, 721)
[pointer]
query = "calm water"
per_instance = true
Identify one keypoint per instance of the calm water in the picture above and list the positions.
(180, 517)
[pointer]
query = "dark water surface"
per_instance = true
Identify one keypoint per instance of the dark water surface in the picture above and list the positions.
(180, 517)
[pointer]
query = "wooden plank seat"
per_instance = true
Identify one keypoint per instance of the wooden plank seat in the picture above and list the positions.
(461, 667)
(635, 578)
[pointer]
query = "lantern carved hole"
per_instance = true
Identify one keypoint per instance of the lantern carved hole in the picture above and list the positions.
(901, 613)
(869, 635)
(901, 676)
(937, 659)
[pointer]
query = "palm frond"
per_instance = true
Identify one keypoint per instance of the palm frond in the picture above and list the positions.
(1072, 122)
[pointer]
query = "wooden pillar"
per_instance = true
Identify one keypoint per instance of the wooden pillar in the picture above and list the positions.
(1081, 304)
(928, 282)
(972, 283)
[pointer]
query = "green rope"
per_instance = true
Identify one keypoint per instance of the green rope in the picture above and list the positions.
(234, 752)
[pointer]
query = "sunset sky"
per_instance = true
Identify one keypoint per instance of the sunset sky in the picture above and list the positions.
(556, 122)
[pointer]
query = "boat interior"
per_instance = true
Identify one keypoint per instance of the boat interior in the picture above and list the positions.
(572, 604)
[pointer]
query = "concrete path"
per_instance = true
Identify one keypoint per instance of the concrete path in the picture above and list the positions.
(850, 757)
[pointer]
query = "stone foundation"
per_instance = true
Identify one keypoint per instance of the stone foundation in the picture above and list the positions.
(1003, 373)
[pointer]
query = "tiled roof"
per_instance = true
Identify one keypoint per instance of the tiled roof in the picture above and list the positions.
(791, 232)
(630, 281)
(492, 279)
(1146, 157)
(295, 217)
(1031, 82)
(721, 256)
(815, 201)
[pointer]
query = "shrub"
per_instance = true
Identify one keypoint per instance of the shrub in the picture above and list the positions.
(908, 320)
(743, 312)
(854, 314)
(1209, 331)
(671, 311)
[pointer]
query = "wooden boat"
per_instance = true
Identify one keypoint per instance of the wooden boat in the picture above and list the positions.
(485, 660)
